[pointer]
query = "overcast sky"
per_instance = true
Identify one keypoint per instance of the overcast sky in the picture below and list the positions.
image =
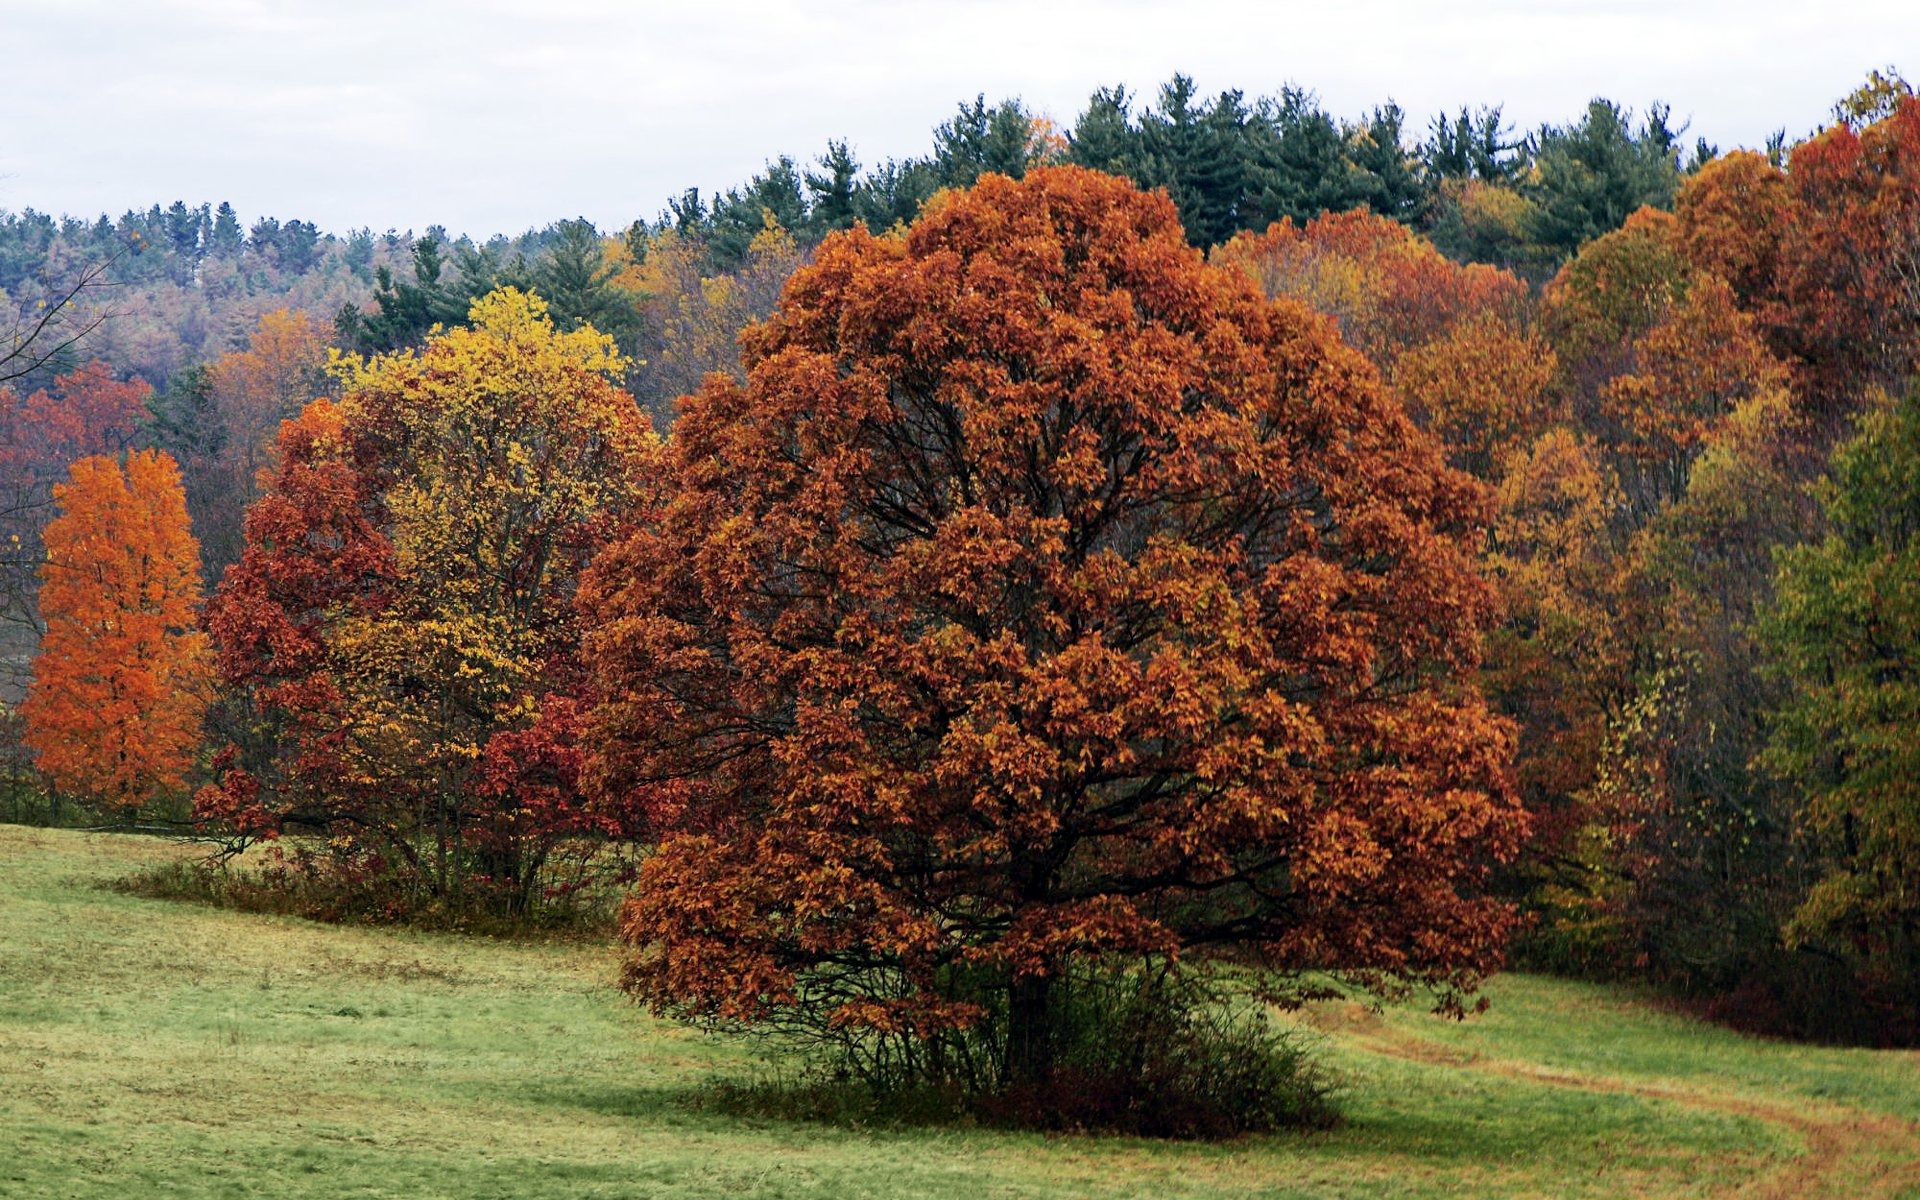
(488, 116)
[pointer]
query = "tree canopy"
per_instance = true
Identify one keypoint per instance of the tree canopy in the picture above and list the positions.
(1044, 595)
(121, 678)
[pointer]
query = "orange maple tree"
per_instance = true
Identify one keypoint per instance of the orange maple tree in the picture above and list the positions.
(119, 684)
(1454, 341)
(1655, 354)
(281, 370)
(1045, 595)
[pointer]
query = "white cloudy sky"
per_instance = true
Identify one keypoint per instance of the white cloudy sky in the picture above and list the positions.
(493, 116)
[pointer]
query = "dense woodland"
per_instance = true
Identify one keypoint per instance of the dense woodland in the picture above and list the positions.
(1215, 535)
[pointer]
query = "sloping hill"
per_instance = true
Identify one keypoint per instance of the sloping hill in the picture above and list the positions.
(149, 1048)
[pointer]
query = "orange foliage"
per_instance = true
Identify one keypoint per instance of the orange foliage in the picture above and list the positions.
(120, 681)
(1619, 286)
(1733, 214)
(1481, 388)
(1848, 306)
(84, 412)
(282, 368)
(1388, 288)
(1825, 256)
(1689, 372)
(1453, 339)
(1045, 593)
(1655, 354)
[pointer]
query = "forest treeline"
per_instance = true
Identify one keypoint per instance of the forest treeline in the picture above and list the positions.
(189, 286)
(190, 281)
(1325, 551)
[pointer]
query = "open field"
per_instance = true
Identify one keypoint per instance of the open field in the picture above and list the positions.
(149, 1048)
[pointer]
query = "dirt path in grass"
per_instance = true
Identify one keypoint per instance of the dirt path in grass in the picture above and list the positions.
(1848, 1152)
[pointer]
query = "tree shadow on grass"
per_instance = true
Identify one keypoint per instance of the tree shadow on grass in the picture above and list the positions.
(658, 1102)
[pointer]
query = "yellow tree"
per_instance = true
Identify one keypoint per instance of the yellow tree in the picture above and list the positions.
(119, 684)
(693, 320)
(404, 606)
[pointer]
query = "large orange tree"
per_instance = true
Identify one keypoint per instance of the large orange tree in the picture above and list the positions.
(1044, 596)
(120, 681)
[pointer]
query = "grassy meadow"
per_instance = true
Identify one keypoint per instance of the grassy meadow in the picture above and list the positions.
(150, 1048)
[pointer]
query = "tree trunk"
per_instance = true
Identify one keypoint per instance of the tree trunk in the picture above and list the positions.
(1029, 1030)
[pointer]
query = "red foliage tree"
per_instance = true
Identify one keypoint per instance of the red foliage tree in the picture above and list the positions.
(1848, 307)
(1044, 595)
(1825, 255)
(1654, 354)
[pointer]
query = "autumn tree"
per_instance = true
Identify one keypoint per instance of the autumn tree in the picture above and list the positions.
(1825, 255)
(1043, 597)
(252, 391)
(1733, 216)
(1455, 341)
(83, 412)
(404, 606)
(1695, 869)
(1654, 353)
(691, 320)
(1461, 346)
(1628, 662)
(120, 681)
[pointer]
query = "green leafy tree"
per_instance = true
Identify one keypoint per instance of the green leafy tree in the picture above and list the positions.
(1388, 178)
(227, 241)
(404, 310)
(1198, 152)
(981, 140)
(776, 196)
(1844, 630)
(1475, 145)
(893, 192)
(1300, 167)
(1105, 138)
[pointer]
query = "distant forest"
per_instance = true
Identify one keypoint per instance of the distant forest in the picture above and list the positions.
(1671, 389)
(186, 285)
(189, 282)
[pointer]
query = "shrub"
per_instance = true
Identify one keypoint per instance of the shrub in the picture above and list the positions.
(1137, 1049)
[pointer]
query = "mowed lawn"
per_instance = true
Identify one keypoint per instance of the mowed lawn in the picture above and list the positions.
(158, 1049)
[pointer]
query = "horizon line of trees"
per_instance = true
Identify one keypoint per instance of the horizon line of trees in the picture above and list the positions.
(1483, 191)
(1680, 465)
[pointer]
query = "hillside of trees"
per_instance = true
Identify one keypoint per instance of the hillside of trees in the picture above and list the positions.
(1033, 586)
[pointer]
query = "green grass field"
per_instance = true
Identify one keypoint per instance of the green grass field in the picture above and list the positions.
(158, 1049)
